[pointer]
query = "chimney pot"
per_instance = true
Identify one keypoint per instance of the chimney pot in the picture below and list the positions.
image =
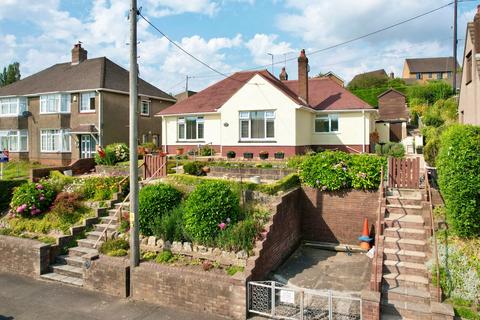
(303, 76)
(79, 54)
(283, 74)
(392, 75)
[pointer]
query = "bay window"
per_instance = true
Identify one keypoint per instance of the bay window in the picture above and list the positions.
(12, 107)
(190, 128)
(87, 102)
(55, 103)
(257, 124)
(55, 140)
(14, 140)
(326, 123)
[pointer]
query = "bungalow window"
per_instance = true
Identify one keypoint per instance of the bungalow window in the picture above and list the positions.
(190, 128)
(326, 123)
(257, 124)
(55, 140)
(14, 140)
(12, 107)
(55, 103)
(419, 76)
(87, 102)
(429, 75)
(145, 108)
(439, 75)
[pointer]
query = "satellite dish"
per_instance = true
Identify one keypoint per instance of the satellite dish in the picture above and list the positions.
(26, 114)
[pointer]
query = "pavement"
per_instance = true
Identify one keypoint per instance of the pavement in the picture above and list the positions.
(23, 298)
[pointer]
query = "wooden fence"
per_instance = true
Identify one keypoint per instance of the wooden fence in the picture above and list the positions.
(155, 166)
(404, 173)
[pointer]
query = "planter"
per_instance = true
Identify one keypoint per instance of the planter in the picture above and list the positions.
(231, 154)
(279, 155)
(263, 155)
(248, 155)
(179, 151)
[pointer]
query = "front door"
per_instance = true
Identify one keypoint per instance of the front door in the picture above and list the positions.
(87, 146)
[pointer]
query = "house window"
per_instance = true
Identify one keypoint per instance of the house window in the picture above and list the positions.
(469, 67)
(326, 123)
(12, 107)
(87, 102)
(257, 124)
(419, 76)
(145, 108)
(14, 140)
(190, 128)
(55, 103)
(429, 75)
(449, 74)
(55, 140)
(439, 75)
(144, 138)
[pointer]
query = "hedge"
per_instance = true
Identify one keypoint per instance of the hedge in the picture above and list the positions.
(458, 165)
(6, 192)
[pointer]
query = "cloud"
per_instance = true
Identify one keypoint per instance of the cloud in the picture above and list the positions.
(160, 8)
(262, 44)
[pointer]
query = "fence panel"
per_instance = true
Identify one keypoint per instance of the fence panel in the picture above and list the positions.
(404, 173)
(155, 166)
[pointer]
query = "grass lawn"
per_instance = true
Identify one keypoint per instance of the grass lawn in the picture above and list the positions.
(18, 169)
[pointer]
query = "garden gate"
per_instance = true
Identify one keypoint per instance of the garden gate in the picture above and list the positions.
(279, 301)
(404, 173)
(155, 166)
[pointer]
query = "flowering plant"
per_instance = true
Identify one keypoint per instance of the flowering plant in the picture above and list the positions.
(31, 199)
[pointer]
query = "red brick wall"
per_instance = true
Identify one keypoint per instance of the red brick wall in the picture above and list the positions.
(171, 149)
(337, 216)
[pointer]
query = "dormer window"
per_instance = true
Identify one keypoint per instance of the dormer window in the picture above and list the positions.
(87, 102)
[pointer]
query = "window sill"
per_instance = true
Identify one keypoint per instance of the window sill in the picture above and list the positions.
(190, 141)
(50, 113)
(257, 141)
(144, 115)
(55, 152)
(87, 112)
(327, 133)
(10, 115)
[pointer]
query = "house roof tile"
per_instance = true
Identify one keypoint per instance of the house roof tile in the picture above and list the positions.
(441, 64)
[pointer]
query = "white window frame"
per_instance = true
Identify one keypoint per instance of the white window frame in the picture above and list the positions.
(55, 136)
(147, 103)
(181, 121)
(328, 117)
(61, 103)
(245, 116)
(10, 136)
(15, 106)
(88, 96)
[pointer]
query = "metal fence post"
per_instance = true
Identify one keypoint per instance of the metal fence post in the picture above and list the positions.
(330, 305)
(273, 299)
(302, 296)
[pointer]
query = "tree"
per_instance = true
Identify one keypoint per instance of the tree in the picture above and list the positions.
(10, 74)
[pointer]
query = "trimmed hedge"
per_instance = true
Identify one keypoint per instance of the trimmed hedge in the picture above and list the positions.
(6, 192)
(458, 165)
(335, 170)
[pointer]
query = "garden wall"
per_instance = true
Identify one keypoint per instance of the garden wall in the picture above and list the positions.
(245, 173)
(24, 256)
(337, 216)
(193, 290)
(109, 275)
(78, 167)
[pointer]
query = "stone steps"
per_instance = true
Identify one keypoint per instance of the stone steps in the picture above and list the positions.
(395, 266)
(89, 243)
(78, 262)
(397, 232)
(403, 201)
(404, 221)
(405, 209)
(404, 255)
(405, 280)
(406, 309)
(101, 226)
(405, 244)
(406, 294)
(107, 219)
(61, 278)
(94, 235)
(67, 270)
(82, 251)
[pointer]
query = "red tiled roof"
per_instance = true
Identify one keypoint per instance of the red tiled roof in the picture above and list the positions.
(324, 94)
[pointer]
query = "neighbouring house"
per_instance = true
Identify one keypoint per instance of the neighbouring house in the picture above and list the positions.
(421, 70)
(184, 95)
(393, 116)
(369, 77)
(469, 101)
(333, 77)
(253, 111)
(62, 113)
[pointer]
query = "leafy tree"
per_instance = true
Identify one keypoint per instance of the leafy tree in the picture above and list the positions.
(10, 74)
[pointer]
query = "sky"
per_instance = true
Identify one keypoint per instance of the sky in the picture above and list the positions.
(230, 35)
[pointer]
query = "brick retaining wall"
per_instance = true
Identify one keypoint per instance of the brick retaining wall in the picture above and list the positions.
(245, 173)
(109, 275)
(78, 167)
(200, 291)
(23, 256)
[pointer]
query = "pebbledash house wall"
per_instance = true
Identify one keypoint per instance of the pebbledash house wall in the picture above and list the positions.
(294, 125)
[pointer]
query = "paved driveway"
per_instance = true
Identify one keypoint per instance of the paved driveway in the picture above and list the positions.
(27, 299)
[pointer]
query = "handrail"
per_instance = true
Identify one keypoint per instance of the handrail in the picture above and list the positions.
(432, 222)
(378, 230)
(119, 209)
(125, 178)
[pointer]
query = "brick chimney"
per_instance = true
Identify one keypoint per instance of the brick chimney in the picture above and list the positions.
(283, 75)
(78, 54)
(476, 28)
(303, 76)
(392, 75)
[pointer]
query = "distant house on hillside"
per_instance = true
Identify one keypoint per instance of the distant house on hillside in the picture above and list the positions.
(334, 77)
(361, 78)
(469, 102)
(250, 112)
(393, 116)
(421, 70)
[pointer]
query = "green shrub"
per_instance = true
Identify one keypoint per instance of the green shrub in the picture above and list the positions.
(164, 257)
(110, 247)
(231, 154)
(154, 201)
(392, 149)
(193, 168)
(207, 151)
(31, 199)
(211, 203)
(101, 188)
(149, 255)
(115, 152)
(296, 161)
(170, 226)
(365, 171)
(458, 166)
(58, 180)
(231, 270)
(6, 192)
(286, 183)
(240, 236)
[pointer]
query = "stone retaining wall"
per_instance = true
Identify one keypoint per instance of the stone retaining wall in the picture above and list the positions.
(193, 290)
(245, 173)
(109, 275)
(78, 167)
(24, 256)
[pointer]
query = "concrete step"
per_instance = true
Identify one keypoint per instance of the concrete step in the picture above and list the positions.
(404, 255)
(405, 209)
(94, 235)
(107, 219)
(411, 194)
(78, 262)
(101, 226)
(406, 294)
(397, 232)
(82, 251)
(66, 270)
(393, 266)
(404, 221)
(394, 280)
(405, 244)
(403, 201)
(406, 309)
(89, 243)
(65, 279)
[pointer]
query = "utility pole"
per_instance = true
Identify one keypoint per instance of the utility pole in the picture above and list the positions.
(186, 85)
(271, 54)
(455, 43)
(134, 230)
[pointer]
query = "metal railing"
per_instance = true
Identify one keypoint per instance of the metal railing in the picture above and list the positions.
(276, 300)
(428, 190)
(378, 231)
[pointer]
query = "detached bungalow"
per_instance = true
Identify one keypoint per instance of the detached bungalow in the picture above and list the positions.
(254, 111)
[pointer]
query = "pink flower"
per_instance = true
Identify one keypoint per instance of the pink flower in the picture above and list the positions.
(39, 186)
(37, 211)
(42, 198)
(222, 225)
(20, 209)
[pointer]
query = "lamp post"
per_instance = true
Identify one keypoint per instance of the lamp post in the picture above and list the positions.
(271, 54)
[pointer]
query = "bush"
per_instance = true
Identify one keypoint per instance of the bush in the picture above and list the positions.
(286, 183)
(155, 201)
(58, 180)
(240, 236)
(6, 192)
(193, 168)
(115, 152)
(207, 151)
(295, 161)
(164, 257)
(365, 171)
(100, 188)
(392, 149)
(458, 163)
(170, 226)
(231, 154)
(211, 203)
(112, 246)
(31, 199)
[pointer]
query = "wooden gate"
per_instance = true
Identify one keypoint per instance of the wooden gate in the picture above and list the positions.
(155, 166)
(404, 173)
